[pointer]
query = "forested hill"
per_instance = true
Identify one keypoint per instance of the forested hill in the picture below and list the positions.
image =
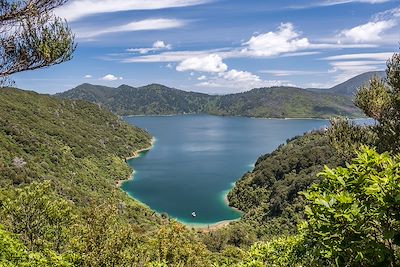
(274, 102)
(151, 99)
(76, 145)
(60, 161)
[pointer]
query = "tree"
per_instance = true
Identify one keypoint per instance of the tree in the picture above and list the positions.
(353, 214)
(32, 37)
(380, 100)
(37, 215)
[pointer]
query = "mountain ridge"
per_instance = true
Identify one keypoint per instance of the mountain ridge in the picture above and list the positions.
(269, 102)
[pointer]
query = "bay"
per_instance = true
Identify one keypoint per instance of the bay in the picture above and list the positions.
(197, 158)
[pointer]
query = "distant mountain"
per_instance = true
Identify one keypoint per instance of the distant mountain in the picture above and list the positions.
(350, 87)
(273, 102)
(150, 99)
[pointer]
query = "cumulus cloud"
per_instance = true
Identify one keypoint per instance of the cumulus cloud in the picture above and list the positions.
(77, 9)
(236, 81)
(88, 76)
(157, 46)
(110, 77)
(242, 76)
(209, 63)
(368, 32)
(284, 40)
(141, 25)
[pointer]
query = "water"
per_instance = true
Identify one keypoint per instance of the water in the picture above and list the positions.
(197, 159)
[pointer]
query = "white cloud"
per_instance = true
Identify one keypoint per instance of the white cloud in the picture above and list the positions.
(323, 3)
(77, 9)
(209, 63)
(157, 46)
(284, 73)
(202, 78)
(240, 76)
(174, 56)
(88, 76)
(141, 25)
(339, 2)
(237, 81)
(368, 32)
(161, 45)
(369, 56)
(284, 40)
(344, 70)
(110, 77)
(347, 66)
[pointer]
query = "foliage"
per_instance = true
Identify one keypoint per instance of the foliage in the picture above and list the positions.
(268, 195)
(31, 37)
(14, 254)
(353, 214)
(346, 137)
(380, 100)
(59, 163)
(279, 252)
(238, 235)
(154, 99)
(37, 215)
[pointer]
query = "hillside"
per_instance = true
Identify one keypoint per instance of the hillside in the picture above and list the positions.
(76, 145)
(350, 87)
(274, 102)
(282, 102)
(269, 193)
(59, 204)
(150, 100)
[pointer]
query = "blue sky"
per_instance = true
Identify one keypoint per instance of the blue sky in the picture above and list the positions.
(222, 46)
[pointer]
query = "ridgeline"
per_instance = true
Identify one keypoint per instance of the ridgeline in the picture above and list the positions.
(273, 102)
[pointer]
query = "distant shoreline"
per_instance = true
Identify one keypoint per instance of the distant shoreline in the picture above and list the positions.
(240, 116)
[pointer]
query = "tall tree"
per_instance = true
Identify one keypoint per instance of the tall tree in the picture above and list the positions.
(32, 37)
(380, 100)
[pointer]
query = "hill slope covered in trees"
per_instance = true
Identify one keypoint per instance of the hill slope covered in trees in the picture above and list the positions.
(59, 204)
(274, 102)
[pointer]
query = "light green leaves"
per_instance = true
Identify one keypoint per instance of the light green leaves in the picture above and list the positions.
(353, 214)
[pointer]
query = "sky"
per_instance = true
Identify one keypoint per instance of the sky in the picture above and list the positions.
(221, 46)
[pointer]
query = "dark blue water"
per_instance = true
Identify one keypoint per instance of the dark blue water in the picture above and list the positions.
(197, 159)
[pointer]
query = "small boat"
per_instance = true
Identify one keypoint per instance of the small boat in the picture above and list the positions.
(194, 214)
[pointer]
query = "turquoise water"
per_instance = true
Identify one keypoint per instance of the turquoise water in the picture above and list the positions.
(197, 159)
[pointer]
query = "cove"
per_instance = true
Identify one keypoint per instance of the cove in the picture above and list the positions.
(197, 159)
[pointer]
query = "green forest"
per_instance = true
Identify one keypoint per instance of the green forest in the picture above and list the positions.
(273, 102)
(327, 198)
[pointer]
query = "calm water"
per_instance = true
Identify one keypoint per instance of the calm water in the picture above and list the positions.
(197, 159)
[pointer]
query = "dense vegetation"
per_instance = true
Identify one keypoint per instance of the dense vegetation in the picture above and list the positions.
(275, 102)
(59, 205)
(352, 212)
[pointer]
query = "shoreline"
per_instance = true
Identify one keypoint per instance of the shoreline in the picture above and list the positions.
(242, 116)
(205, 228)
(135, 154)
